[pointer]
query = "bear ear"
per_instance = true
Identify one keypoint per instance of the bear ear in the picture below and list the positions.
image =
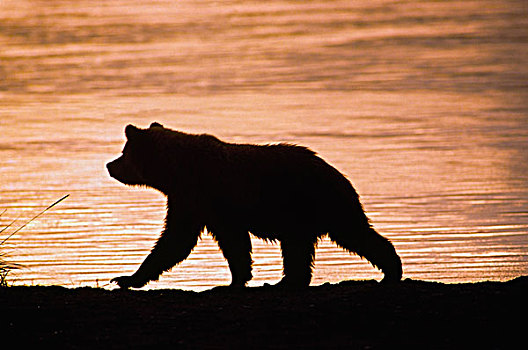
(131, 131)
(156, 125)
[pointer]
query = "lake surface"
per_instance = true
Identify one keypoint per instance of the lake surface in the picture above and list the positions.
(422, 104)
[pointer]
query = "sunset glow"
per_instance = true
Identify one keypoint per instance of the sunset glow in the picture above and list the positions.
(423, 105)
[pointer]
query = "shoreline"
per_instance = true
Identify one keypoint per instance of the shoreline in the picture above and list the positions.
(350, 314)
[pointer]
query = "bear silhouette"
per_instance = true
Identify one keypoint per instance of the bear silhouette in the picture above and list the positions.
(278, 192)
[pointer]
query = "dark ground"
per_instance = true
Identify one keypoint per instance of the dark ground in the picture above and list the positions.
(352, 314)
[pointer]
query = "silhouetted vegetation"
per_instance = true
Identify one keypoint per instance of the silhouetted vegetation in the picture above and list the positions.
(5, 266)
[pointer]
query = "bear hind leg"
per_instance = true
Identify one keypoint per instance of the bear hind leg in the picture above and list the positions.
(370, 245)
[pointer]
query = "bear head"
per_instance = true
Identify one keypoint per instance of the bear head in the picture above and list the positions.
(139, 162)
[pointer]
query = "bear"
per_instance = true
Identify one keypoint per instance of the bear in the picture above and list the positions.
(281, 193)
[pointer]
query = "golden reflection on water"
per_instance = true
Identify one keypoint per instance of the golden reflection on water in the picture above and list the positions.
(421, 104)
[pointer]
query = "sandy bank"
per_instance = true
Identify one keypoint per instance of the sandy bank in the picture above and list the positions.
(352, 314)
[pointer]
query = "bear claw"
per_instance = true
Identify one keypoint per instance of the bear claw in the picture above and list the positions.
(126, 282)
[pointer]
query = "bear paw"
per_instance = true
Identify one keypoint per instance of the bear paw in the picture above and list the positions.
(126, 282)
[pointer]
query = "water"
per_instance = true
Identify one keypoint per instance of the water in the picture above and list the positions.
(422, 104)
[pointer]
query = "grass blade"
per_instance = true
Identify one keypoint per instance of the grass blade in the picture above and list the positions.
(36, 216)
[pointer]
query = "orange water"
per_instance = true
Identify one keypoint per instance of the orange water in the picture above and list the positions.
(422, 104)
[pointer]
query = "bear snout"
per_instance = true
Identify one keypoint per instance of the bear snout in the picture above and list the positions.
(111, 167)
(122, 171)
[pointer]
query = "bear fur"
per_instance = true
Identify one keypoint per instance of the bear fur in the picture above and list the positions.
(278, 192)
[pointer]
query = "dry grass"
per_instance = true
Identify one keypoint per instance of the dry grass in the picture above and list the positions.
(5, 266)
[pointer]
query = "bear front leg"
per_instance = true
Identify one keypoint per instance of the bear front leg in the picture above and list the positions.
(174, 245)
(236, 248)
